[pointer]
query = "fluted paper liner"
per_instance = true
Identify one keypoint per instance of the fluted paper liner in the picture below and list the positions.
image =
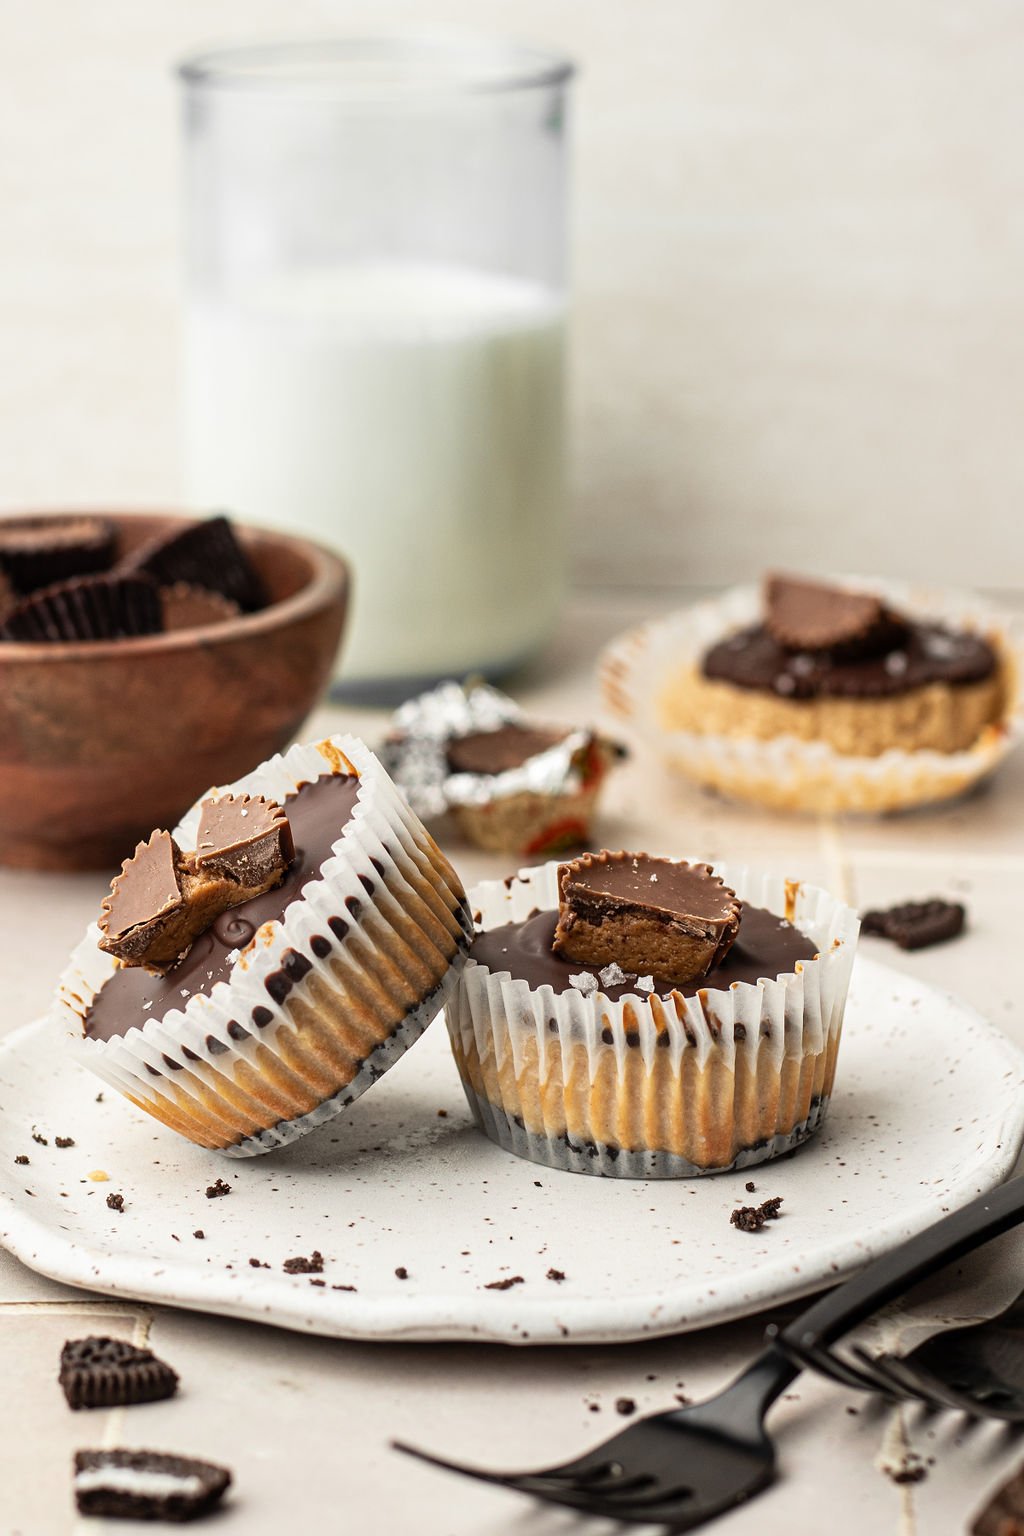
(648, 1086)
(783, 772)
(246, 1069)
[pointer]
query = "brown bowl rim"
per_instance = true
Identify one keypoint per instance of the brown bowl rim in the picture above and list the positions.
(331, 577)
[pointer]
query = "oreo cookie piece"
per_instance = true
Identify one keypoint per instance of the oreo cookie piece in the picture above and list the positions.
(38, 551)
(916, 924)
(110, 1373)
(147, 1485)
(205, 554)
(87, 608)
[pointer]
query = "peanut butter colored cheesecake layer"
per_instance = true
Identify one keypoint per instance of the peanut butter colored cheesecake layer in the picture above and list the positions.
(596, 1068)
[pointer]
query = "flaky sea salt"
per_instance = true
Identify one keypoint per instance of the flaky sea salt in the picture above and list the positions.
(613, 976)
(645, 983)
(233, 956)
(654, 879)
(896, 663)
(584, 982)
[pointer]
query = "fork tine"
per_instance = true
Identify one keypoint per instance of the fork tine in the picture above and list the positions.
(450, 1466)
(915, 1381)
(821, 1360)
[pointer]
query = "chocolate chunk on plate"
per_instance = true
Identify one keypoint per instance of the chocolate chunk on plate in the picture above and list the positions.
(916, 924)
(203, 554)
(648, 916)
(147, 1485)
(38, 551)
(87, 608)
(101, 1372)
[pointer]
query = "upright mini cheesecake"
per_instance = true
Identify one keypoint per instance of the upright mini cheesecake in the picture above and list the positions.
(648, 1018)
(255, 971)
(838, 666)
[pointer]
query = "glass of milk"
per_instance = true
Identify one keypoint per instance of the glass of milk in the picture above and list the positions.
(375, 331)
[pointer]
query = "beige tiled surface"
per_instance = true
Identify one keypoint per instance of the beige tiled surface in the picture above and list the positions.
(305, 1423)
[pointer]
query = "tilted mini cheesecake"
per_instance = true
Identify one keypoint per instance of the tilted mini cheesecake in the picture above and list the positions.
(257, 969)
(643, 1017)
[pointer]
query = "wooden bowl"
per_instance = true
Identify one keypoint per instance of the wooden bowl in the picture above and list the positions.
(100, 742)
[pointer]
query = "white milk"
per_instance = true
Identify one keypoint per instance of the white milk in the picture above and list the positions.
(410, 416)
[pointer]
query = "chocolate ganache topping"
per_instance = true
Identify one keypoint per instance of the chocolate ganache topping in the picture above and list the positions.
(317, 813)
(922, 654)
(766, 945)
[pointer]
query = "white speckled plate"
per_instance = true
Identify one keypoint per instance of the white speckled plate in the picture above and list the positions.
(929, 1112)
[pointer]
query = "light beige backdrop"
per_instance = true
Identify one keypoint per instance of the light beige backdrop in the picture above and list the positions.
(799, 269)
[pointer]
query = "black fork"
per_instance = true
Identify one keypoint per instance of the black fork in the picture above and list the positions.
(681, 1468)
(977, 1369)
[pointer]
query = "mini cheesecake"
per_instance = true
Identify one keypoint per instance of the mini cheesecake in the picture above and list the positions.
(692, 1026)
(258, 969)
(827, 664)
(509, 784)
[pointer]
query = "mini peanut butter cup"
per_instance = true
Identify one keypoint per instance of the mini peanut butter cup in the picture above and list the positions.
(39, 551)
(245, 839)
(804, 615)
(109, 607)
(188, 607)
(654, 917)
(164, 899)
(203, 554)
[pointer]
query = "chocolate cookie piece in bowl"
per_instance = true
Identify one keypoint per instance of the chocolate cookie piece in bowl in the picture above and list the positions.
(101, 739)
(602, 1068)
(510, 784)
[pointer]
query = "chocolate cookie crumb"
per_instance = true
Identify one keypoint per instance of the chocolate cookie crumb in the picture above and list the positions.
(116, 1202)
(199, 1233)
(751, 1218)
(22, 1160)
(302, 1266)
(63, 1141)
(558, 1275)
(625, 1406)
(442, 1114)
(343, 1287)
(750, 1186)
(401, 1272)
(219, 1188)
(39, 1140)
(506, 1284)
(258, 1264)
(318, 1282)
(916, 924)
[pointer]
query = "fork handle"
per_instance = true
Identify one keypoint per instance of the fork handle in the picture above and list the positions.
(914, 1260)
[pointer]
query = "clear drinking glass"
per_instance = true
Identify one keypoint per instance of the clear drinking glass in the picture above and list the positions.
(376, 306)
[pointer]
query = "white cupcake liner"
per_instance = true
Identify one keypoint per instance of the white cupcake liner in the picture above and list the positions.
(786, 773)
(587, 1084)
(247, 1068)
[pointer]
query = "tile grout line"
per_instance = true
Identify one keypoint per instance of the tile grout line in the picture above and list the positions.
(836, 858)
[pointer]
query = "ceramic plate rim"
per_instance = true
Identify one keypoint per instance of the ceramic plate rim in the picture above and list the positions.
(33, 1241)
